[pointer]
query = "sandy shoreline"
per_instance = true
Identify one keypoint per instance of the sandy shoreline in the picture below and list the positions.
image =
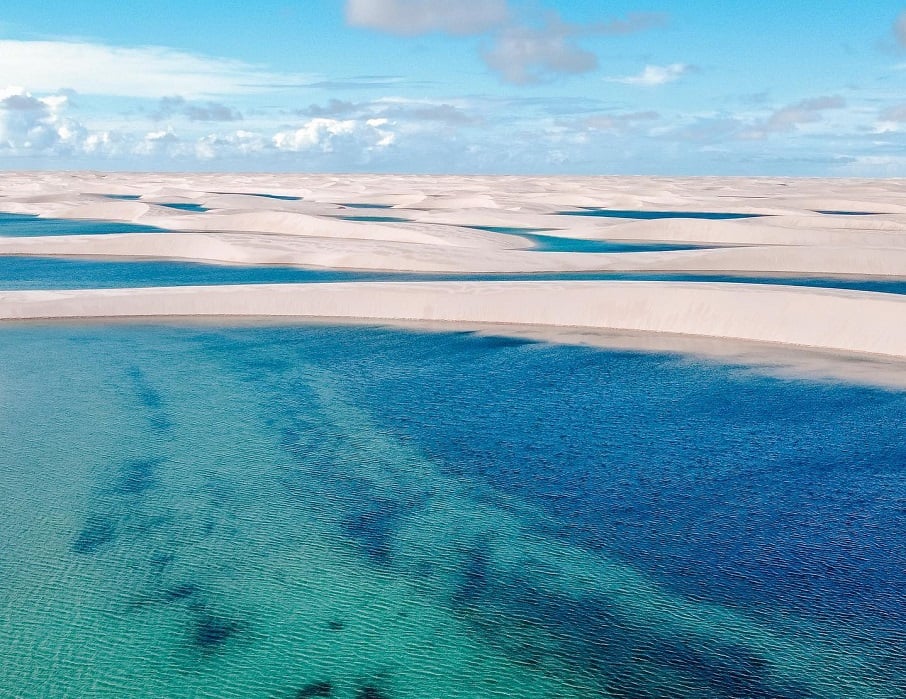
(821, 318)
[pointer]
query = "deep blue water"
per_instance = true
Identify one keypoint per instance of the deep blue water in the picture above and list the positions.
(363, 512)
(552, 243)
(124, 197)
(27, 272)
(24, 226)
(651, 215)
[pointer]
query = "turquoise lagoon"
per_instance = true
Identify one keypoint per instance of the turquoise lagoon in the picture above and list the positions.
(316, 511)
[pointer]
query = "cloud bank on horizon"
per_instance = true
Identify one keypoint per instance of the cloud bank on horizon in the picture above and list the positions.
(508, 86)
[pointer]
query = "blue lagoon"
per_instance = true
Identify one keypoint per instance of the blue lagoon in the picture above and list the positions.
(305, 511)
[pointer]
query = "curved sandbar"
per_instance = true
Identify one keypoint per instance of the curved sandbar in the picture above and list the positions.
(828, 319)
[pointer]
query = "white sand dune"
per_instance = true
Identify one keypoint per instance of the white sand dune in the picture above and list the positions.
(790, 237)
(824, 318)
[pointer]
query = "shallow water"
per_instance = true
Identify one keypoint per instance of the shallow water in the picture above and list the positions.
(355, 512)
(654, 215)
(27, 272)
(25, 226)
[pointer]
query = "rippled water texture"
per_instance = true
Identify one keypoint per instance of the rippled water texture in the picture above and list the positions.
(361, 513)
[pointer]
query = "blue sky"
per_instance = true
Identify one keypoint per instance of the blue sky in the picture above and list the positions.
(474, 86)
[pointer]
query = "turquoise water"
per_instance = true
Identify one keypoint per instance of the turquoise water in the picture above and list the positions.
(360, 512)
(553, 243)
(654, 215)
(26, 272)
(25, 226)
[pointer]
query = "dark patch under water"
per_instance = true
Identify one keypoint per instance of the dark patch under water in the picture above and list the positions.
(372, 524)
(98, 532)
(180, 592)
(211, 631)
(136, 476)
(315, 689)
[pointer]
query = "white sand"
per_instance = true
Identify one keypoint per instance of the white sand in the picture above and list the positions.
(825, 318)
(791, 238)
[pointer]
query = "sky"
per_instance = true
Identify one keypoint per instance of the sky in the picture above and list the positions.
(663, 87)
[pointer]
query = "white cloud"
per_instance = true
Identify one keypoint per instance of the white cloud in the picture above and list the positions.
(413, 17)
(655, 75)
(525, 55)
(32, 125)
(241, 142)
(328, 135)
(148, 71)
(789, 118)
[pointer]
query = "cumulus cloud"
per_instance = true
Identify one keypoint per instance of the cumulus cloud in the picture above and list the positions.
(392, 108)
(526, 55)
(328, 135)
(520, 53)
(413, 17)
(241, 142)
(790, 117)
(148, 71)
(38, 125)
(196, 111)
(804, 112)
(655, 75)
